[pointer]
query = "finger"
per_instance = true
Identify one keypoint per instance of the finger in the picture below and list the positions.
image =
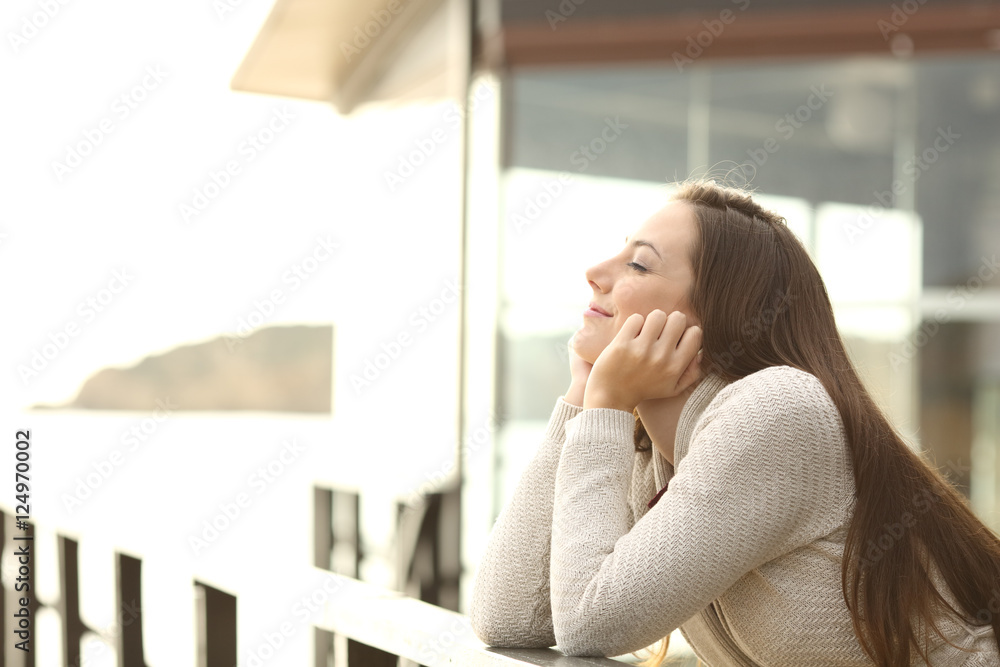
(691, 374)
(688, 346)
(673, 330)
(652, 326)
(630, 327)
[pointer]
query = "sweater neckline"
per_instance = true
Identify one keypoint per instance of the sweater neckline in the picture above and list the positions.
(693, 408)
(696, 403)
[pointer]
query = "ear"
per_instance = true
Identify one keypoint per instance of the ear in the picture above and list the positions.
(684, 305)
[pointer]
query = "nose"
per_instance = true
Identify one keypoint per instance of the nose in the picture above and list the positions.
(596, 277)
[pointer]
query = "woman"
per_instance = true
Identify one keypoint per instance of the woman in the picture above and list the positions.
(723, 470)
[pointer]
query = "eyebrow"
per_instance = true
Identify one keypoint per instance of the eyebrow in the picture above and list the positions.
(640, 242)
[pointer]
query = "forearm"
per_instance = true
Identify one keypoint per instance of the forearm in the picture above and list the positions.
(511, 601)
(591, 514)
(575, 394)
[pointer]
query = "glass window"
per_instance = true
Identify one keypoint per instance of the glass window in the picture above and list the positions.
(886, 168)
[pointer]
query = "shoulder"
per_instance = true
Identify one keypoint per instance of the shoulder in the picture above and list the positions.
(777, 396)
(783, 421)
(781, 387)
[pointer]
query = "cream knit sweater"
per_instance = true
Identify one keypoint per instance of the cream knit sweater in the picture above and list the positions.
(742, 552)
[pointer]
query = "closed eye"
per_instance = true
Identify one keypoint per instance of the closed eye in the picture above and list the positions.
(638, 267)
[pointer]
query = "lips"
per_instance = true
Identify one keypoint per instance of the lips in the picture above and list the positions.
(595, 307)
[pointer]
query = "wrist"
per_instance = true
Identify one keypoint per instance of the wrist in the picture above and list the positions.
(575, 393)
(593, 400)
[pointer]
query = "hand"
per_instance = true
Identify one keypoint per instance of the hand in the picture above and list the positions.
(652, 357)
(579, 370)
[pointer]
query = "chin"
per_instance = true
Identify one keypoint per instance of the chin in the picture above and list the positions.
(587, 348)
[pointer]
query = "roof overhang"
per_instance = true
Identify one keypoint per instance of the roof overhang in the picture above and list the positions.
(352, 52)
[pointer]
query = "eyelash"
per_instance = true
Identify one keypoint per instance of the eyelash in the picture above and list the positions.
(638, 267)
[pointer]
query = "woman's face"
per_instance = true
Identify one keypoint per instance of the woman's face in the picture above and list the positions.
(652, 271)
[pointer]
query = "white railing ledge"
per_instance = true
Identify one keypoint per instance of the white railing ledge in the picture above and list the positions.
(425, 633)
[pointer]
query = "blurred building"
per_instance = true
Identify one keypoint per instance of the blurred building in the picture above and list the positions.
(872, 126)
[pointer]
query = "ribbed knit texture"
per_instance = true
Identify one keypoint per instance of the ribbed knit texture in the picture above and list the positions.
(742, 552)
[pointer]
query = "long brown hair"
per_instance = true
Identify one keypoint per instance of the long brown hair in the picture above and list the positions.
(763, 303)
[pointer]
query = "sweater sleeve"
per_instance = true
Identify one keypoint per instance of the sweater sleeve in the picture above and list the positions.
(510, 598)
(765, 472)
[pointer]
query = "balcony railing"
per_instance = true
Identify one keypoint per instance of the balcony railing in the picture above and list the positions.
(380, 625)
(359, 624)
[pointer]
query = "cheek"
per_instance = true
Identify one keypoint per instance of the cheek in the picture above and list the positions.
(632, 299)
(644, 300)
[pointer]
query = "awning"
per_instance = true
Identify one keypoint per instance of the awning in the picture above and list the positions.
(352, 52)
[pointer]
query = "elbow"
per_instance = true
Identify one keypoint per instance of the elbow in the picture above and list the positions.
(500, 635)
(485, 626)
(582, 647)
(583, 651)
(503, 631)
(597, 633)
(579, 640)
(484, 616)
(509, 624)
(482, 620)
